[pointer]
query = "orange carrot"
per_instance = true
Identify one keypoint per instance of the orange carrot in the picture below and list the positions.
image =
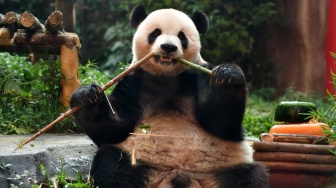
(301, 128)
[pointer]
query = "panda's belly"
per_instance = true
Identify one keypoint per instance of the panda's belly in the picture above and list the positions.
(178, 143)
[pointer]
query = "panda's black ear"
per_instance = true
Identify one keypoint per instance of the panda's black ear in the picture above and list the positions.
(137, 16)
(201, 22)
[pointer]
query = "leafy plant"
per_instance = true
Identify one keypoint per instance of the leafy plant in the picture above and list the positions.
(62, 180)
(29, 94)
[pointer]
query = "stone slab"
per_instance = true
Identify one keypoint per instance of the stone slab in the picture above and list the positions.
(21, 166)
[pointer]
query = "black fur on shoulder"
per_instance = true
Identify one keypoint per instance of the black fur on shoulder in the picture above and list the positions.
(137, 16)
(111, 167)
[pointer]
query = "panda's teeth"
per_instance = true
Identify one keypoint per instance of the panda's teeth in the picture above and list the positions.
(166, 58)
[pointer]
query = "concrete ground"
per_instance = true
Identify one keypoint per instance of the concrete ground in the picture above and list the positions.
(21, 166)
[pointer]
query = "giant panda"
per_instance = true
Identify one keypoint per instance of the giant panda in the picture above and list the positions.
(183, 128)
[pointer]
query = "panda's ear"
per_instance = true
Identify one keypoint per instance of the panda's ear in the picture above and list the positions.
(201, 22)
(137, 16)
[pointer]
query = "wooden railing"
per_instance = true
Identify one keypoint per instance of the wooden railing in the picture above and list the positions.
(23, 33)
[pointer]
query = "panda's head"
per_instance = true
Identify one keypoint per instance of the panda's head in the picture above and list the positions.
(170, 34)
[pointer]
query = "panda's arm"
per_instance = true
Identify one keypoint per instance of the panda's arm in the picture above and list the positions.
(96, 117)
(222, 102)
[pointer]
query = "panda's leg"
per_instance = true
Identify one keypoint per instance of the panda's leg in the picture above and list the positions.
(252, 175)
(111, 167)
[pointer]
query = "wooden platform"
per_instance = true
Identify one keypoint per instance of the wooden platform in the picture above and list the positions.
(297, 165)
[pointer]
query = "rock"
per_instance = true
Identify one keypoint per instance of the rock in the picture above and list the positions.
(21, 166)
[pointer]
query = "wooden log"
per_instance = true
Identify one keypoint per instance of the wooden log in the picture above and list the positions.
(54, 23)
(12, 22)
(298, 138)
(30, 22)
(39, 42)
(303, 167)
(5, 37)
(293, 147)
(294, 157)
(294, 138)
(266, 137)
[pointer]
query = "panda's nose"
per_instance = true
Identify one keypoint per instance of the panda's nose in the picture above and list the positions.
(169, 48)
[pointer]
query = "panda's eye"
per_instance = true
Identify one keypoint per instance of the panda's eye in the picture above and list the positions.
(157, 32)
(153, 35)
(183, 39)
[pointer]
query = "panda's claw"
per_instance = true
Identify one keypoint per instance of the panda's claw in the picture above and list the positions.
(228, 75)
(89, 94)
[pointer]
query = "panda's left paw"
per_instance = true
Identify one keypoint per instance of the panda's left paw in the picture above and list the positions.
(228, 75)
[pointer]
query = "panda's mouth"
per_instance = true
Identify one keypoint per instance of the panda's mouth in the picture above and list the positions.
(165, 60)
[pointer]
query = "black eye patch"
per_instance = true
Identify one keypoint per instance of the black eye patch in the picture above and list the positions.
(184, 40)
(153, 35)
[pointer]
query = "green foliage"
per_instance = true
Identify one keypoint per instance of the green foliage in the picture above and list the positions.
(62, 180)
(29, 94)
(261, 105)
(259, 113)
(328, 113)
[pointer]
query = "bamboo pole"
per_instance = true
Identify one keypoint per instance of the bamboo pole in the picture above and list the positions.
(195, 66)
(106, 86)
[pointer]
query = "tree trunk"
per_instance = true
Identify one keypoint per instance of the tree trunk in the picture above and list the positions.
(298, 45)
(67, 7)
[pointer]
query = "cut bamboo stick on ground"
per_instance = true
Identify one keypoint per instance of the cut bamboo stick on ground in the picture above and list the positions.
(109, 84)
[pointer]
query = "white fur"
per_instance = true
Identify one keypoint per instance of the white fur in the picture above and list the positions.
(170, 22)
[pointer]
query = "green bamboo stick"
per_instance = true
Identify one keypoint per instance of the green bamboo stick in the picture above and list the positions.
(195, 66)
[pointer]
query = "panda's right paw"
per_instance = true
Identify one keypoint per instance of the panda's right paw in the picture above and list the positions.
(90, 94)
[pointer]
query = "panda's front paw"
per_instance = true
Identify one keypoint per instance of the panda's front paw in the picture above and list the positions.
(90, 94)
(228, 75)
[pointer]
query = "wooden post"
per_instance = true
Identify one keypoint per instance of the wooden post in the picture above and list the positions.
(69, 70)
